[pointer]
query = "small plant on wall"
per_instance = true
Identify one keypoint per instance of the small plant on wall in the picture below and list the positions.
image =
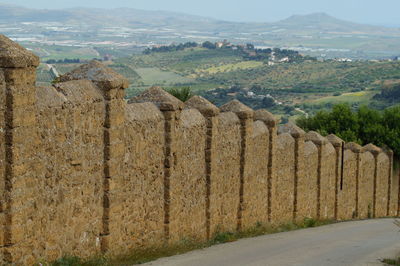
(183, 93)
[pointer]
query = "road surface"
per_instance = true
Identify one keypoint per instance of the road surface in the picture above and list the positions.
(348, 243)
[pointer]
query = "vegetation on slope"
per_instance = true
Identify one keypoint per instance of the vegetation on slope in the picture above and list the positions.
(390, 93)
(258, 77)
(363, 126)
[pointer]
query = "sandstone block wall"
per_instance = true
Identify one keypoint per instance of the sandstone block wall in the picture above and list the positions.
(327, 182)
(394, 194)
(70, 121)
(307, 185)
(225, 181)
(282, 200)
(382, 185)
(188, 181)
(347, 194)
(139, 216)
(2, 158)
(255, 190)
(366, 185)
(84, 172)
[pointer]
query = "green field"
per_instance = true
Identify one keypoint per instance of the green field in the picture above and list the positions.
(155, 76)
(228, 67)
(58, 52)
(362, 97)
(308, 85)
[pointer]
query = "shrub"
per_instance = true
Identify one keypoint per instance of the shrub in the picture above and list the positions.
(183, 93)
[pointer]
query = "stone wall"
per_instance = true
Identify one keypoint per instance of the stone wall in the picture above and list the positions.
(347, 194)
(2, 159)
(225, 182)
(70, 121)
(139, 216)
(283, 180)
(255, 191)
(327, 182)
(84, 172)
(366, 185)
(382, 185)
(188, 182)
(394, 194)
(308, 184)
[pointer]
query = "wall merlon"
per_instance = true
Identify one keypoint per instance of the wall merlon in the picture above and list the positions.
(143, 112)
(371, 148)
(49, 97)
(335, 140)
(203, 105)
(389, 152)
(12, 55)
(354, 147)
(316, 138)
(105, 78)
(83, 172)
(191, 118)
(79, 91)
(162, 99)
(292, 129)
(241, 110)
(266, 117)
(259, 128)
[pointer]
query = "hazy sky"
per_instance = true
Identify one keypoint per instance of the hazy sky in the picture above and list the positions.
(385, 12)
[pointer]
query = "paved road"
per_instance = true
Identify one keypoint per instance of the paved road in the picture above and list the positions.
(347, 243)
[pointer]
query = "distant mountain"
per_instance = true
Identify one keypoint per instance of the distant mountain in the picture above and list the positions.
(327, 23)
(312, 32)
(95, 16)
(137, 17)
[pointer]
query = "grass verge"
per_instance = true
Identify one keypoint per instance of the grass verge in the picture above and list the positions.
(391, 262)
(186, 245)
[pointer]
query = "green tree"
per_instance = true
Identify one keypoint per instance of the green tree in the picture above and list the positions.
(363, 126)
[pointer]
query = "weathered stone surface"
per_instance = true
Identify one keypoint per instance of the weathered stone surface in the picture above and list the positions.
(334, 140)
(188, 179)
(394, 198)
(241, 110)
(316, 138)
(187, 217)
(382, 184)
(327, 182)
(162, 99)
(347, 187)
(106, 78)
(292, 129)
(12, 55)
(307, 183)
(372, 149)
(255, 191)
(354, 147)
(225, 183)
(284, 175)
(266, 117)
(77, 91)
(2, 158)
(204, 106)
(138, 197)
(71, 129)
(366, 185)
(84, 172)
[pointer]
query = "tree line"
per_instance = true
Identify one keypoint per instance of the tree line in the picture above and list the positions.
(247, 51)
(363, 126)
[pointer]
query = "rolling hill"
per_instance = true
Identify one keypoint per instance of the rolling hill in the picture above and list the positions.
(317, 34)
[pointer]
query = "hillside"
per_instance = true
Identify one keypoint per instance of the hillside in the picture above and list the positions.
(288, 89)
(316, 34)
